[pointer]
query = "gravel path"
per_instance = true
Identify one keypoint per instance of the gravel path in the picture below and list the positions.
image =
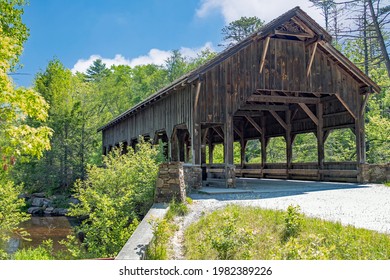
(363, 206)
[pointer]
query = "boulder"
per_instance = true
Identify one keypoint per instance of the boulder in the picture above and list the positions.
(41, 195)
(49, 210)
(60, 211)
(37, 202)
(74, 200)
(35, 210)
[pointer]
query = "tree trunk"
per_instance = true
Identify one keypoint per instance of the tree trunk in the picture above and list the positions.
(381, 41)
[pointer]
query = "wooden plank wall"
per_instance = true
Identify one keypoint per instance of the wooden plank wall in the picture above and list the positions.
(285, 69)
(172, 110)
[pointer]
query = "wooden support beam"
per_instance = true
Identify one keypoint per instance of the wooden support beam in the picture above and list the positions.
(255, 125)
(309, 112)
(262, 61)
(261, 107)
(294, 113)
(286, 33)
(196, 137)
(283, 99)
(289, 142)
(321, 137)
(248, 113)
(239, 133)
(345, 105)
(264, 143)
(311, 59)
(363, 107)
(211, 146)
(279, 119)
(204, 138)
(219, 133)
(197, 94)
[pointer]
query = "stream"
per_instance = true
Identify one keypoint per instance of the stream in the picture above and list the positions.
(42, 228)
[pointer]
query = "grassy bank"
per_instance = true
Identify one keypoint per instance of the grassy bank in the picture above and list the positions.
(253, 233)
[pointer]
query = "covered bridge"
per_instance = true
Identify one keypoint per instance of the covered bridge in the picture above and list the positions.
(284, 80)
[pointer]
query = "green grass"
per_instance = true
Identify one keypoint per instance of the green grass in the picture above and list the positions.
(387, 184)
(253, 233)
(164, 229)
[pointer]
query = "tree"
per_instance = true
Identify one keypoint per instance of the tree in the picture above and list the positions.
(112, 199)
(96, 71)
(379, 34)
(326, 7)
(239, 29)
(176, 66)
(19, 140)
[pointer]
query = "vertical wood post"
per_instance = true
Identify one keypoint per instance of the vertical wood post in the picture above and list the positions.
(228, 143)
(320, 141)
(263, 145)
(211, 152)
(288, 143)
(196, 131)
(243, 145)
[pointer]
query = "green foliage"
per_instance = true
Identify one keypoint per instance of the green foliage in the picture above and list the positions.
(42, 252)
(276, 150)
(10, 213)
(12, 27)
(340, 146)
(305, 148)
(19, 140)
(113, 198)
(96, 71)
(157, 249)
(176, 209)
(239, 29)
(292, 223)
(253, 151)
(230, 241)
(317, 239)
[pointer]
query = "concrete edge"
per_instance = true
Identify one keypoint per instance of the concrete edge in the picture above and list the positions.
(136, 245)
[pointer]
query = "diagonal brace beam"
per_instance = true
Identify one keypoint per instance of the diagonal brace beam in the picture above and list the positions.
(262, 61)
(309, 112)
(279, 119)
(255, 125)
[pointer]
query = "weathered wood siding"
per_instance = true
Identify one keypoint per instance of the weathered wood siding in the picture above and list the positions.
(176, 108)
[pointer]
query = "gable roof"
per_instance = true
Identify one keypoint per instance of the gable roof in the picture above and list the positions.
(296, 16)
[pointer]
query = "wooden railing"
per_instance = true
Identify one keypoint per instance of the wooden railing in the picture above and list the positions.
(332, 171)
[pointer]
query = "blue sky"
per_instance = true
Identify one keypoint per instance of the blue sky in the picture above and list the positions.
(131, 32)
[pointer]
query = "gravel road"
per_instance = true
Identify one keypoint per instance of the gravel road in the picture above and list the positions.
(364, 206)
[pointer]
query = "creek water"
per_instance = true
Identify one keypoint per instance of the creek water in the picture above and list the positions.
(42, 228)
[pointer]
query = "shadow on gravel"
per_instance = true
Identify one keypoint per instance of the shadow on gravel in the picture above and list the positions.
(250, 189)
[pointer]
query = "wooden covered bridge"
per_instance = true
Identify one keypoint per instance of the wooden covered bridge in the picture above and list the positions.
(286, 79)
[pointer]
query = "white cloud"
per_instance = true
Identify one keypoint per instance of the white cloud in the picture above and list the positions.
(154, 56)
(264, 9)
(83, 64)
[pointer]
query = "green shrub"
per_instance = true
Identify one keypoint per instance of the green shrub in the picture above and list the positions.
(292, 223)
(176, 209)
(10, 213)
(42, 252)
(157, 249)
(113, 199)
(230, 241)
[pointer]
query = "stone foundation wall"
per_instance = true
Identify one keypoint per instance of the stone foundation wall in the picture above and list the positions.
(192, 176)
(170, 183)
(375, 173)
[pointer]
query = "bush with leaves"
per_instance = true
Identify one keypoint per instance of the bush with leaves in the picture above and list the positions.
(292, 223)
(231, 241)
(113, 199)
